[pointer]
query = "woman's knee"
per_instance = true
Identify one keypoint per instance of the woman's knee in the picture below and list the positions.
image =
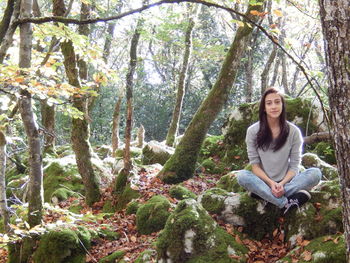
(243, 176)
(316, 174)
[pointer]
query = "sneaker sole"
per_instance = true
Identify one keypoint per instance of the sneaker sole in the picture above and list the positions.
(306, 193)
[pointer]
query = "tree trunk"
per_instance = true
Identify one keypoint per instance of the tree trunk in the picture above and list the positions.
(248, 68)
(129, 99)
(115, 125)
(7, 40)
(174, 124)
(266, 71)
(80, 127)
(6, 19)
(181, 165)
(3, 200)
(336, 30)
(108, 42)
(35, 187)
(48, 122)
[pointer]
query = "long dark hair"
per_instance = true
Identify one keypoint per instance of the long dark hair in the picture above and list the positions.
(264, 135)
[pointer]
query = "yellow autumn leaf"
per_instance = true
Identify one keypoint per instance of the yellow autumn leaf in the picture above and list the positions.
(255, 13)
(278, 12)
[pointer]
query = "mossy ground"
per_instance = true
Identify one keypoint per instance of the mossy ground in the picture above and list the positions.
(213, 200)
(112, 258)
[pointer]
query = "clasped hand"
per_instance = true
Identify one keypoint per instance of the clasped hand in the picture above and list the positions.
(277, 189)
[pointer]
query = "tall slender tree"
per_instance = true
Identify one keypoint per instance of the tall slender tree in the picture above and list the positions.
(35, 193)
(336, 30)
(174, 124)
(3, 200)
(80, 127)
(181, 165)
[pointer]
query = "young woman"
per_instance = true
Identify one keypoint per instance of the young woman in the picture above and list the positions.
(274, 148)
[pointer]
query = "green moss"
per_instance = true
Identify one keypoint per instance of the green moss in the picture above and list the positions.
(150, 156)
(212, 145)
(63, 193)
(132, 207)
(134, 152)
(75, 207)
(179, 192)
(106, 232)
(145, 256)
(112, 258)
(151, 216)
(229, 183)
(108, 207)
(21, 251)
(257, 224)
(213, 200)
(63, 246)
(312, 160)
(210, 166)
(324, 249)
(125, 197)
(58, 173)
(325, 151)
(191, 234)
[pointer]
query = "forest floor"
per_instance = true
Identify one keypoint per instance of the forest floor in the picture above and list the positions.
(270, 249)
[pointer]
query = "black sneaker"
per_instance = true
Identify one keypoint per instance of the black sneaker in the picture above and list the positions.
(297, 200)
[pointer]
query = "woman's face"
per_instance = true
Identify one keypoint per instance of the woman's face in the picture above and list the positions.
(273, 105)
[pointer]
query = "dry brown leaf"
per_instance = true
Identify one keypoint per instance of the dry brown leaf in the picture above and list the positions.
(307, 256)
(238, 239)
(299, 240)
(327, 238)
(133, 239)
(305, 243)
(336, 240)
(275, 232)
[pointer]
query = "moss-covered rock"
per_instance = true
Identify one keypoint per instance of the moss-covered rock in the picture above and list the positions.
(146, 256)
(155, 152)
(61, 172)
(63, 246)
(61, 194)
(132, 207)
(229, 183)
(108, 207)
(103, 151)
(134, 152)
(312, 160)
(152, 215)
(324, 249)
(213, 200)
(179, 192)
(191, 235)
(112, 258)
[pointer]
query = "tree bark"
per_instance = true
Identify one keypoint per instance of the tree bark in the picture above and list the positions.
(174, 124)
(317, 137)
(35, 187)
(80, 127)
(3, 200)
(48, 121)
(129, 99)
(6, 19)
(115, 125)
(181, 165)
(8, 37)
(336, 30)
(108, 42)
(265, 73)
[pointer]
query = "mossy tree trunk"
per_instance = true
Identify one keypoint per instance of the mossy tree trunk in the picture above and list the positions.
(174, 124)
(129, 95)
(80, 127)
(3, 200)
(181, 165)
(336, 30)
(35, 187)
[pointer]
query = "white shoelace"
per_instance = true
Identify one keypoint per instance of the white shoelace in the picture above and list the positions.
(290, 203)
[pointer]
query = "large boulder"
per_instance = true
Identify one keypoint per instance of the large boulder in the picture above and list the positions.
(191, 235)
(155, 152)
(302, 112)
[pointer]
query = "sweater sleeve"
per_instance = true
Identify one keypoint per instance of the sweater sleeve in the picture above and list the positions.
(250, 140)
(296, 150)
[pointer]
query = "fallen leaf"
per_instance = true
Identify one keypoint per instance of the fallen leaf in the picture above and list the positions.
(133, 239)
(307, 256)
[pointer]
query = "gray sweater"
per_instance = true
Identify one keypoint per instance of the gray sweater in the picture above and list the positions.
(276, 164)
